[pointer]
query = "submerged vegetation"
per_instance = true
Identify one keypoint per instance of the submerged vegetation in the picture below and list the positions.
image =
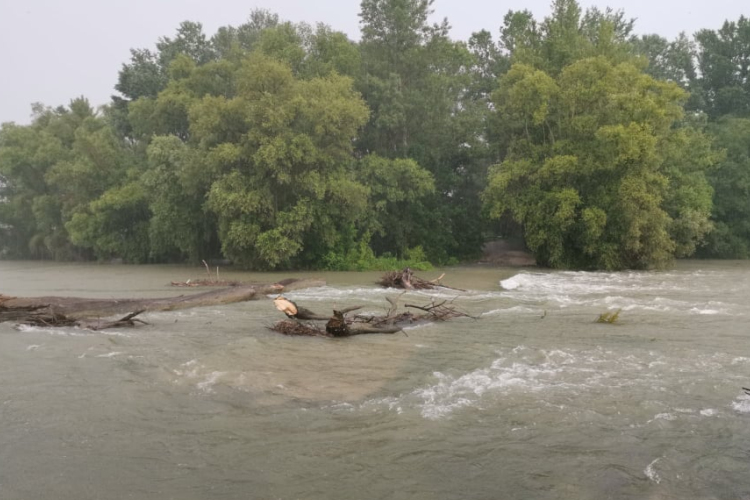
(609, 317)
(279, 145)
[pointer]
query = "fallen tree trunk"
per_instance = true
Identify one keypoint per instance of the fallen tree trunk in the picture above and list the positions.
(45, 320)
(74, 309)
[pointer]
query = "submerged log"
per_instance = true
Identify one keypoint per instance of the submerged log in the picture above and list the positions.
(295, 328)
(20, 309)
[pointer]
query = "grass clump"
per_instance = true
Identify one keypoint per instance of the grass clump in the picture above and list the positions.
(609, 317)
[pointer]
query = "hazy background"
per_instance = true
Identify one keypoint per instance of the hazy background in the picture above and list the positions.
(52, 51)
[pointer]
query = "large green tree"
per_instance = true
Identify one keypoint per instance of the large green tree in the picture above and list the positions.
(424, 92)
(601, 170)
(731, 182)
(51, 170)
(281, 151)
(724, 63)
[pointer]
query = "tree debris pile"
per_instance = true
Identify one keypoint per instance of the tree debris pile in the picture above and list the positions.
(340, 325)
(407, 280)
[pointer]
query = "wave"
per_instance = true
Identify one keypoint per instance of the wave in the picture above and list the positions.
(634, 290)
(520, 369)
(549, 374)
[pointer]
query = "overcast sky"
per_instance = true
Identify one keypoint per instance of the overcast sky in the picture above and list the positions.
(54, 50)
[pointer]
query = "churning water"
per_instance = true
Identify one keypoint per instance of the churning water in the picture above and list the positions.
(531, 400)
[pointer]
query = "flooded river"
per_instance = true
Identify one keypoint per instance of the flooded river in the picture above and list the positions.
(531, 400)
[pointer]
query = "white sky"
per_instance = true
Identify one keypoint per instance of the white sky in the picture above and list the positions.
(54, 50)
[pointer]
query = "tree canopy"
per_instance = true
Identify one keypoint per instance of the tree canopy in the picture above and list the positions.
(279, 145)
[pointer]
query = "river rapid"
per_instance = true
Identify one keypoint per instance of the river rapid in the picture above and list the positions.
(531, 400)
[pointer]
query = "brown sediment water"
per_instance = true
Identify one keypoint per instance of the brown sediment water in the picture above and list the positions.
(533, 399)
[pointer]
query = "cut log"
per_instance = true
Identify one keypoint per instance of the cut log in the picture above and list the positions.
(74, 308)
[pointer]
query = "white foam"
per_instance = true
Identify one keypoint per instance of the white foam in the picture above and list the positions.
(452, 393)
(328, 293)
(513, 310)
(741, 405)
(210, 380)
(644, 291)
(196, 372)
(663, 416)
(515, 282)
(109, 354)
(64, 332)
(697, 310)
(523, 370)
(375, 294)
(650, 472)
(416, 326)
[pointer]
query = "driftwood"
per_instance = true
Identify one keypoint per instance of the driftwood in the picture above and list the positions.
(41, 319)
(210, 281)
(339, 325)
(204, 282)
(59, 311)
(407, 280)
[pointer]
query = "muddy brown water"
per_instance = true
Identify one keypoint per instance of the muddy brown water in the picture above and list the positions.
(531, 400)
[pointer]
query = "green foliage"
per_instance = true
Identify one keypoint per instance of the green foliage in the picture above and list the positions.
(428, 97)
(731, 183)
(397, 190)
(289, 179)
(179, 227)
(362, 258)
(724, 63)
(596, 174)
(282, 145)
(115, 225)
(51, 170)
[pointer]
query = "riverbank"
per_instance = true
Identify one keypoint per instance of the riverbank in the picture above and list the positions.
(506, 254)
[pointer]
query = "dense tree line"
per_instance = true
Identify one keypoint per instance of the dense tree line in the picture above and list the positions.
(280, 145)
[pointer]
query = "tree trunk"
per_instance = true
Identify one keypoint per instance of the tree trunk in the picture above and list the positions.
(74, 308)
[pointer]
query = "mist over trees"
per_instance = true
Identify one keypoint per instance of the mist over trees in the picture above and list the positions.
(279, 145)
